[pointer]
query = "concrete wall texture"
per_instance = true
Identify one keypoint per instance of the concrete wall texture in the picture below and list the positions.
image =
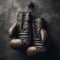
(48, 9)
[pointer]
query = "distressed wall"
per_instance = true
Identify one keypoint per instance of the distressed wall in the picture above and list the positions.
(49, 9)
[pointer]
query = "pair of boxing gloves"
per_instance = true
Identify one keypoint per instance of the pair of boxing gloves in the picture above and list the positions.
(28, 32)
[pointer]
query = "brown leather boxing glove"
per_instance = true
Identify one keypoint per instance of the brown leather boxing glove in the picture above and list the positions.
(39, 37)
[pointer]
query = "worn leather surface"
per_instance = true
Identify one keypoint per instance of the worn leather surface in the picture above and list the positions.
(48, 9)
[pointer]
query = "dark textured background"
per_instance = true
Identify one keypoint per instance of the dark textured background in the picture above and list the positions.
(49, 9)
